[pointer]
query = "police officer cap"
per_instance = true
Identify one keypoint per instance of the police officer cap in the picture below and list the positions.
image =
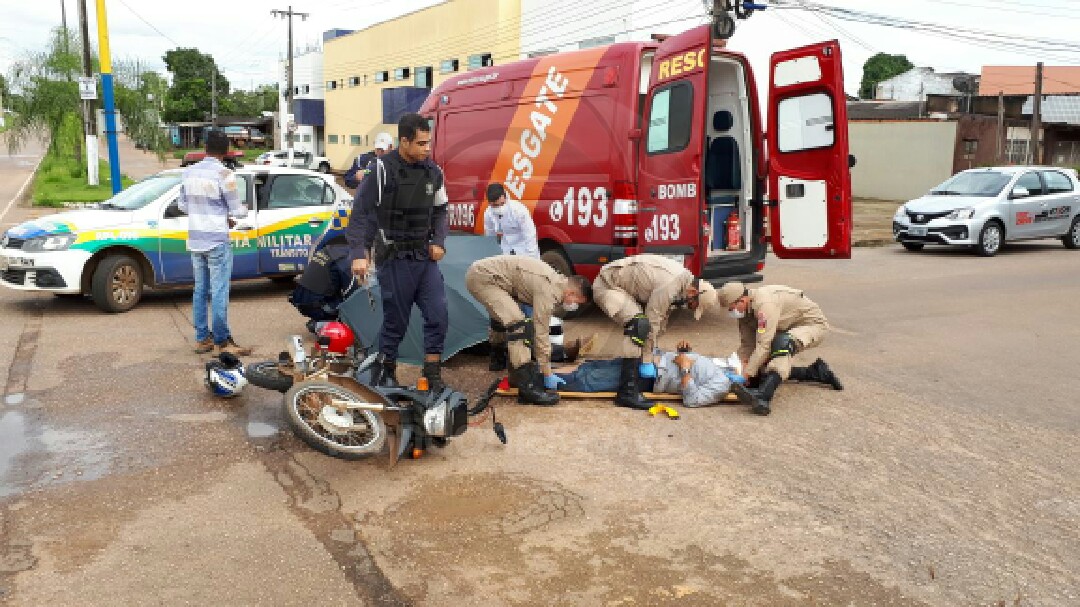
(495, 191)
(730, 292)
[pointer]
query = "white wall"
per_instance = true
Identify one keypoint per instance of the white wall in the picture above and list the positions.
(915, 84)
(307, 71)
(900, 160)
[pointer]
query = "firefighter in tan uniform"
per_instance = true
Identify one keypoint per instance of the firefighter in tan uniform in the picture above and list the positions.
(775, 323)
(504, 282)
(638, 293)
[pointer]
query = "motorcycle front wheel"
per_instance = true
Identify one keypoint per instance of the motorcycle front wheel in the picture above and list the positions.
(345, 434)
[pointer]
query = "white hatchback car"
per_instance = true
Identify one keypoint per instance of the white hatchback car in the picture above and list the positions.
(984, 208)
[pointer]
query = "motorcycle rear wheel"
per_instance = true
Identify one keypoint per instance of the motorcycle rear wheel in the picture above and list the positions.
(305, 410)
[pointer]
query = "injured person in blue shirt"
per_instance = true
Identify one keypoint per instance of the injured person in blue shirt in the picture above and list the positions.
(700, 380)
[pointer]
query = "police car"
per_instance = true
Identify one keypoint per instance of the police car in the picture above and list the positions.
(984, 208)
(137, 239)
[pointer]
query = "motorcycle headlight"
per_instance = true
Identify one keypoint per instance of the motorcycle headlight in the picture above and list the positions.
(50, 242)
(965, 213)
(435, 419)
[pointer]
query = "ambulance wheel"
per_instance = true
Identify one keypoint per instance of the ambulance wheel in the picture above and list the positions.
(353, 434)
(117, 284)
(913, 246)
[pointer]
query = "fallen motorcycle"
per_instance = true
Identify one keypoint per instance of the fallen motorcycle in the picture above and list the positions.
(330, 405)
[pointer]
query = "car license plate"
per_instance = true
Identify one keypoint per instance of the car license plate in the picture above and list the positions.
(916, 231)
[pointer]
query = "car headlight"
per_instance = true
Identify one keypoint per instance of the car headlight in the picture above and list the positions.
(901, 212)
(966, 213)
(50, 242)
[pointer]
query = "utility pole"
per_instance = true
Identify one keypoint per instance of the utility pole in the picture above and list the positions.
(1036, 116)
(288, 15)
(1000, 126)
(88, 107)
(213, 97)
(63, 22)
(107, 93)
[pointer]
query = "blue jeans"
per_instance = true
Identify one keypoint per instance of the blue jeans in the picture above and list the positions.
(213, 271)
(596, 376)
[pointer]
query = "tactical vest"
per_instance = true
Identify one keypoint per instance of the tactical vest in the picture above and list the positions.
(405, 216)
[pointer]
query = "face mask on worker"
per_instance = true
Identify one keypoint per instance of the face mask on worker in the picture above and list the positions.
(736, 314)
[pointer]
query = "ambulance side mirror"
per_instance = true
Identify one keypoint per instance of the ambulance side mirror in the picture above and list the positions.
(633, 134)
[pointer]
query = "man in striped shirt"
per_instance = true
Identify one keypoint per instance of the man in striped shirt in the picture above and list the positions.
(209, 196)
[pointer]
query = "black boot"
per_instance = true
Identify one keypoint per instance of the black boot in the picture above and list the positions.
(818, 372)
(433, 372)
(384, 372)
(762, 404)
(530, 385)
(500, 357)
(629, 394)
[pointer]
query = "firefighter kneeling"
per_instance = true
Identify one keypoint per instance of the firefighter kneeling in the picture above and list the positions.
(775, 323)
(504, 282)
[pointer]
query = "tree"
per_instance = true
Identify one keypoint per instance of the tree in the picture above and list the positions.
(139, 99)
(881, 67)
(189, 97)
(250, 103)
(48, 102)
(5, 93)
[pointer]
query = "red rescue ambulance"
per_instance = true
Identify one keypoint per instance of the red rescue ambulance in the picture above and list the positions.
(655, 147)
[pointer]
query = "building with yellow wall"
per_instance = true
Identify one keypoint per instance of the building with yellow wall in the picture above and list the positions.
(374, 75)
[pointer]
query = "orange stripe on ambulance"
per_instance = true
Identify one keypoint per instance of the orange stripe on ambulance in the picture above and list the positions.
(532, 140)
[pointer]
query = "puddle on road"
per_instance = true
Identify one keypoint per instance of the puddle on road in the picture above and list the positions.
(12, 445)
(32, 455)
(261, 430)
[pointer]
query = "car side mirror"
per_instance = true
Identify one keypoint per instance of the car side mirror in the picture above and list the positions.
(851, 160)
(173, 211)
(1020, 192)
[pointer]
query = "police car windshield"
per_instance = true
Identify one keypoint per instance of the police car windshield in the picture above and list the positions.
(978, 183)
(141, 194)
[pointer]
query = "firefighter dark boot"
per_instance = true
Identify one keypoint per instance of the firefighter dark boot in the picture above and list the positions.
(818, 372)
(629, 394)
(433, 372)
(763, 395)
(500, 357)
(530, 385)
(384, 372)
(822, 373)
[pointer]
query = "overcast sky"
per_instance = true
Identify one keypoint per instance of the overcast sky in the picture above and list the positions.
(247, 41)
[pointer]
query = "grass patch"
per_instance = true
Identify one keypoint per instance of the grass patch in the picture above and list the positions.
(250, 154)
(61, 180)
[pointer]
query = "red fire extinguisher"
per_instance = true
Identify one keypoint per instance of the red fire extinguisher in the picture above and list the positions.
(734, 234)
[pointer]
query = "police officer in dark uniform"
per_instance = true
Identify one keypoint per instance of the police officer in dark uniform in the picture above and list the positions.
(399, 224)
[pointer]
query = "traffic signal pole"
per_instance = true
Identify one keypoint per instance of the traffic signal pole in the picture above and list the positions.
(107, 93)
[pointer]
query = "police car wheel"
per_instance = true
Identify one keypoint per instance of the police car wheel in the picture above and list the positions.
(913, 246)
(991, 238)
(1072, 238)
(117, 284)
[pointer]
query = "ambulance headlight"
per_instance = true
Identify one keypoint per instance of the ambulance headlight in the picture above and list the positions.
(49, 242)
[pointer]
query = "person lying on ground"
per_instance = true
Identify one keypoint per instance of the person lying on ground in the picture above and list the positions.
(698, 378)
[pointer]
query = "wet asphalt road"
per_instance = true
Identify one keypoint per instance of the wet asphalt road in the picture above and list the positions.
(944, 474)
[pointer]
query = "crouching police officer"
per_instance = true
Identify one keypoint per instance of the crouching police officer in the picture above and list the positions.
(638, 293)
(399, 221)
(775, 323)
(504, 282)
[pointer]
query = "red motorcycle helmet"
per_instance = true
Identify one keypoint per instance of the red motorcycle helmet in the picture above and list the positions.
(336, 337)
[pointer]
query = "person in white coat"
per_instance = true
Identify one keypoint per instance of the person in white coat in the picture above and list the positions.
(511, 223)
